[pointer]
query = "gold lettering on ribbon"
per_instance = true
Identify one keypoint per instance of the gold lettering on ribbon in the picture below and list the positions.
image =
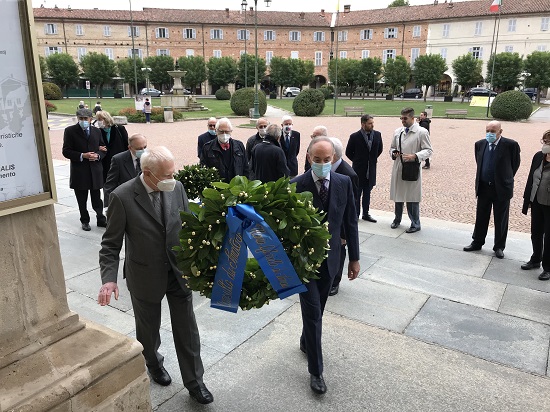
(232, 254)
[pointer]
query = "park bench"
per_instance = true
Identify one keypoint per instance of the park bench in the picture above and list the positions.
(354, 110)
(456, 112)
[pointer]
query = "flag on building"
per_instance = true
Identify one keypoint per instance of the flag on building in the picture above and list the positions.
(495, 6)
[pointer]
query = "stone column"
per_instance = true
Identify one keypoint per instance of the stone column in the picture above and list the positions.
(49, 358)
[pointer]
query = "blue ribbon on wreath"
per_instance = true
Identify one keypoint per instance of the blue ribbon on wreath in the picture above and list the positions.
(247, 229)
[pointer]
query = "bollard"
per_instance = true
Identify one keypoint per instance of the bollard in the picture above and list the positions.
(168, 115)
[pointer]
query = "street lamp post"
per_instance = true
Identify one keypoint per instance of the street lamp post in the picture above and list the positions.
(133, 48)
(374, 86)
(244, 6)
(256, 114)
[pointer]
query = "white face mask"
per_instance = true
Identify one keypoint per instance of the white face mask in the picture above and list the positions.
(545, 148)
(166, 185)
(287, 128)
(100, 124)
(224, 138)
(262, 132)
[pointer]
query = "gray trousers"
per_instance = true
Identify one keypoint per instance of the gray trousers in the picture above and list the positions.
(413, 210)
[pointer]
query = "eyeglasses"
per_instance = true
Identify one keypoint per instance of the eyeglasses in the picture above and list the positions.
(211, 126)
(547, 141)
(224, 131)
(262, 127)
(405, 118)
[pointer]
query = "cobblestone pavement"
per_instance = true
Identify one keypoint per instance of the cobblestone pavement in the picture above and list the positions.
(448, 187)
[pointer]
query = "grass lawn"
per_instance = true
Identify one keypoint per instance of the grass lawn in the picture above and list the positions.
(216, 107)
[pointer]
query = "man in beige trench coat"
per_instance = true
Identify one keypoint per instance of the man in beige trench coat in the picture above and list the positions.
(415, 146)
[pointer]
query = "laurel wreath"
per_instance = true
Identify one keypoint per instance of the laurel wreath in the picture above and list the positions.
(195, 178)
(292, 216)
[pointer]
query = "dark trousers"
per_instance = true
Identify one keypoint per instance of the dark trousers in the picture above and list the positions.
(413, 210)
(184, 331)
(313, 305)
(147, 117)
(540, 234)
(363, 197)
(338, 276)
(97, 204)
(486, 200)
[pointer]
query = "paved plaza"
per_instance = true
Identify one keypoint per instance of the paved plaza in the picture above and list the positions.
(426, 326)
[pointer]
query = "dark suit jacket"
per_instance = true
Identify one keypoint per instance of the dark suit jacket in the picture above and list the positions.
(148, 243)
(535, 164)
(362, 159)
(268, 162)
(341, 214)
(121, 170)
(251, 144)
(506, 165)
(212, 156)
(292, 153)
(85, 174)
(345, 169)
(202, 140)
(118, 143)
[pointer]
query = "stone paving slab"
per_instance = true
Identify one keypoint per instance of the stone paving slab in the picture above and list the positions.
(71, 224)
(376, 304)
(410, 251)
(72, 245)
(366, 369)
(505, 339)
(444, 284)
(527, 304)
(105, 315)
(505, 272)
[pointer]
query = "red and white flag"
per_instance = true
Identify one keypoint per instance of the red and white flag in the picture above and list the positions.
(495, 6)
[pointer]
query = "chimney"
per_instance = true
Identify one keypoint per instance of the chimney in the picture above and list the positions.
(227, 12)
(252, 11)
(302, 15)
(347, 8)
(322, 12)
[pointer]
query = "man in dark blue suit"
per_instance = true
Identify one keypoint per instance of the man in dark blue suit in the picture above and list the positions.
(290, 143)
(363, 149)
(332, 193)
(210, 134)
(497, 161)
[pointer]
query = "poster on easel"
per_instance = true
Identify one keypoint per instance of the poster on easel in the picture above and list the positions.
(21, 142)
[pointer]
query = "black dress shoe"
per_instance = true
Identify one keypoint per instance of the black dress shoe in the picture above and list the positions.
(471, 247)
(499, 253)
(544, 275)
(394, 225)
(160, 376)
(334, 290)
(530, 265)
(425, 167)
(86, 227)
(201, 394)
(317, 384)
(369, 218)
(102, 223)
(412, 229)
(303, 348)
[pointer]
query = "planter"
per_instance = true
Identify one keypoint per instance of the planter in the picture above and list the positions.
(447, 98)
(389, 97)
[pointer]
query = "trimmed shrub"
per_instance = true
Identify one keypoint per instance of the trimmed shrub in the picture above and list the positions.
(223, 94)
(310, 102)
(52, 91)
(326, 92)
(243, 100)
(512, 105)
(157, 115)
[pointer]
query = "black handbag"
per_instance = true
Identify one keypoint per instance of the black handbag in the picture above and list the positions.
(410, 171)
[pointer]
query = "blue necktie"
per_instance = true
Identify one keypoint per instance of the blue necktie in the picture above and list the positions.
(323, 193)
(406, 130)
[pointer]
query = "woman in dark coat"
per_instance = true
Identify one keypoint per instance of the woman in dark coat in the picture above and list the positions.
(537, 198)
(114, 136)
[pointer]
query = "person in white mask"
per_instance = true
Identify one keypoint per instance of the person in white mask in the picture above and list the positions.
(497, 159)
(290, 143)
(224, 153)
(210, 134)
(261, 127)
(125, 166)
(144, 212)
(537, 198)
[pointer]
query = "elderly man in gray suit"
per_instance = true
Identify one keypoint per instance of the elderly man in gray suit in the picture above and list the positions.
(125, 166)
(145, 212)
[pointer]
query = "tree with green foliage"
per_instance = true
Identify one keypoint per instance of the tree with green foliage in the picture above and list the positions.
(43, 67)
(99, 69)
(301, 72)
(278, 72)
(399, 3)
(467, 70)
(250, 69)
(367, 77)
(348, 74)
(221, 71)
(126, 71)
(428, 70)
(195, 66)
(537, 64)
(397, 73)
(508, 68)
(160, 65)
(63, 70)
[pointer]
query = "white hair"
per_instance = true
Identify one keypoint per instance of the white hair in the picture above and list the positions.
(320, 131)
(338, 148)
(136, 136)
(153, 157)
(285, 118)
(224, 120)
(319, 139)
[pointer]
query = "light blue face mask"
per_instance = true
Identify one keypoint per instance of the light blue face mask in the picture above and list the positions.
(139, 153)
(491, 137)
(212, 132)
(321, 169)
(84, 124)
